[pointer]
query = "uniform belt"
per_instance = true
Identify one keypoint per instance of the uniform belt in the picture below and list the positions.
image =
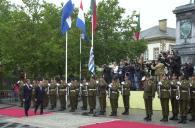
(164, 90)
(114, 92)
(72, 90)
(184, 91)
(174, 90)
(193, 91)
(84, 90)
(62, 90)
(92, 89)
(52, 89)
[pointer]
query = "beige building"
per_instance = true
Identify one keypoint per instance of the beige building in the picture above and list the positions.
(159, 38)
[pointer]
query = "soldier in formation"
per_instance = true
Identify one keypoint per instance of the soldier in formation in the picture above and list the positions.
(149, 94)
(92, 95)
(125, 92)
(164, 95)
(62, 95)
(84, 93)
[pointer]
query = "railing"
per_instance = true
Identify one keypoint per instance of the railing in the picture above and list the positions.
(8, 97)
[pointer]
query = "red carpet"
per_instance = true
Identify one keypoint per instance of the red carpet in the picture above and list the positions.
(125, 124)
(17, 112)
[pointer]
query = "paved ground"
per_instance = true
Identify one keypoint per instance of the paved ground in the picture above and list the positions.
(66, 119)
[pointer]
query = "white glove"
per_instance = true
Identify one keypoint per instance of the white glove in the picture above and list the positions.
(69, 84)
(87, 83)
(110, 85)
(159, 83)
(49, 84)
(97, 82)
(143, 78)
(190, 84)
(58, 84)
(123, 83)
(81, 85)
(179, 83)
(177, 97)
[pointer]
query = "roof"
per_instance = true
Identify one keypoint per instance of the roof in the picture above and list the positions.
(184, 8)
(155, 32)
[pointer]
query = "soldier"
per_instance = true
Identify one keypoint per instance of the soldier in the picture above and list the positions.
(27, 95)
(149, 94)
(125, 92)
(92, 95)
(84, 90)
(164, 95)
(62, 95)
(192, 92)
(102, 85)
(174, 101)
(114, 95)
(73, 95)
(34, 85)
(52, 94)
(182, 95)
(21, 86)
(77, 92)
(46, 96)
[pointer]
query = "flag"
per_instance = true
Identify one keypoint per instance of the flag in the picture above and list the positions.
(66, 13)
(91, 64)
(81, 22)
(137, 31)
(94, 15)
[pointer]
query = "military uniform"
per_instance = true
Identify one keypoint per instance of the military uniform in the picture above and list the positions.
(125, 91)
(183, 97)
(73, 87)
(34, 85)
(114, 95)
(62, 95)
(46, 96)
(174, 101)
(164, 95)
(149, 94)
(53, 94)
(102, 85)
(84, 90)
(192, 96)
(92, 95)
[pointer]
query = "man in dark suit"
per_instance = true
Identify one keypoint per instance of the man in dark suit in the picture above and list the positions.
(39, 97)
(27, 94)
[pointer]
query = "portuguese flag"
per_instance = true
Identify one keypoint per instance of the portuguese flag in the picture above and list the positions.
(138, 28)
(94, 14)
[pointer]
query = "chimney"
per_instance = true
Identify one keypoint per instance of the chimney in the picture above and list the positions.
(163, 25)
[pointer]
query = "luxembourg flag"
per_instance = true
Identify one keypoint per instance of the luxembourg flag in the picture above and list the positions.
(66, 14)
(81, 21)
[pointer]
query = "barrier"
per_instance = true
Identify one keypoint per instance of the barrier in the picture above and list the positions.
(8, 96)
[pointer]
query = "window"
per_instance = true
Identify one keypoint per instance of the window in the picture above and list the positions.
(155, 53)
(146, 55)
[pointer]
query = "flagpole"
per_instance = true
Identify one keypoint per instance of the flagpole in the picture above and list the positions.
(80, 57)
(66, 57)
(92, 32)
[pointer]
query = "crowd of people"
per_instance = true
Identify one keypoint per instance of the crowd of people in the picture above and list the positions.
(162, 76)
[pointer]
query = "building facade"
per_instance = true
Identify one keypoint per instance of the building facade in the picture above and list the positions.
(159, 38)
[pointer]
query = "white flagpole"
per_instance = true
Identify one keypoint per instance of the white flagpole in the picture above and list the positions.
(66, 58)
(80, 57)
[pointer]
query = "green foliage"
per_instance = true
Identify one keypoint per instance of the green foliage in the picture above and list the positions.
(30, 38)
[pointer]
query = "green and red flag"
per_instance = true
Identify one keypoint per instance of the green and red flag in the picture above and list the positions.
(94, 14)
(138, 28)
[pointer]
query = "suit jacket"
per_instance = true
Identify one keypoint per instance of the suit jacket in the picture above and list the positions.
(27, 92)
(39, 93)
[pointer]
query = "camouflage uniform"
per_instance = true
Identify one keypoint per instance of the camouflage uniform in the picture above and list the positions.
(84, 94)
(52, 94)
(73, 87)
(192, 96)
(62, 95)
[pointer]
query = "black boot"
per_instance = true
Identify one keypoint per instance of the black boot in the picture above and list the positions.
(91, 111)
(166, 119)
(176, 117)
(181, 120)
(146, 117)
(126, 112)
(192, 119)
(149, 118)
(163, 119)
(173, 117)
(184, 120)
(112, 114)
